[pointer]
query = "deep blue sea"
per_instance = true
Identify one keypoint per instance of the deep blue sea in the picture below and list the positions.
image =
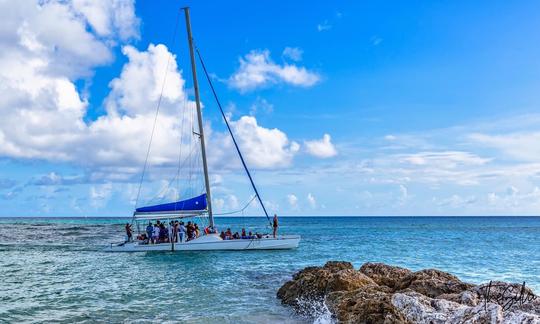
(54, 270)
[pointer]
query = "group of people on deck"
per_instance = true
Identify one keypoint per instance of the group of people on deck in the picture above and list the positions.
(177, 231)
(160, 232)
(228, 235)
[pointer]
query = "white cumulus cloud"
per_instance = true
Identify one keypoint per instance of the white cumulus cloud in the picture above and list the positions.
(257, 70)
(51, 126)
(108, 17)
(46, 47)
(262, 147)
(322, 148)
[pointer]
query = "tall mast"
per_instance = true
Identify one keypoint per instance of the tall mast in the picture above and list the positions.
(199, 117)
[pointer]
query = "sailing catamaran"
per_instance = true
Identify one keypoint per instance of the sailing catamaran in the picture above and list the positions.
(201, 205)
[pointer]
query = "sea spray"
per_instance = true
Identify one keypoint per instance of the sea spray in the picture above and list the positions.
(325, 317)
(316, 310)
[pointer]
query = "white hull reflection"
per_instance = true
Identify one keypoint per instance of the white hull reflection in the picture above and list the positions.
(212, 242)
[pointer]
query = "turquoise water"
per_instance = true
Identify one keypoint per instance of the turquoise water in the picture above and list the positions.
(53, 270)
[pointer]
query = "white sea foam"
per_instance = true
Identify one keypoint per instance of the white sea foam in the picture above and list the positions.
(325, 317)
(316, 310)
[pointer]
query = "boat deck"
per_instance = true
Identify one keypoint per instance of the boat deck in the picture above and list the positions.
(212, 242)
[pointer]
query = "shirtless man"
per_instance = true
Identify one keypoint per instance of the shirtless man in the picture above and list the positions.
(275, 225)
(129, 232)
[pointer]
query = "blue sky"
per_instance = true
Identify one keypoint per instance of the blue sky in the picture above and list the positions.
(341, 108)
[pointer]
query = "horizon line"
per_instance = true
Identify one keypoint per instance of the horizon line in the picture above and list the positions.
(285, 216)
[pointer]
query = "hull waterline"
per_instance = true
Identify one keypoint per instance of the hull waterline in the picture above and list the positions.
(212, 243)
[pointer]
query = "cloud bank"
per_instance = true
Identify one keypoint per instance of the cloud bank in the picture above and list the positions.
(48, 47)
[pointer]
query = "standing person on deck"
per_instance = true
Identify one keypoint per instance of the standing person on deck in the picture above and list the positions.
(275, 225)
(190, 231)
(155, 234)
(149, 232)
(170, 231)
(162, 233)
(181, 232)
(175, 231)
(128, 232)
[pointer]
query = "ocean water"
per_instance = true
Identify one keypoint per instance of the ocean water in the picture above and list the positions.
(54, 270)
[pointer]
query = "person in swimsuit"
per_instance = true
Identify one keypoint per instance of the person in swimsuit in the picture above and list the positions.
(128, 232)
(275, 225)
(190, 230)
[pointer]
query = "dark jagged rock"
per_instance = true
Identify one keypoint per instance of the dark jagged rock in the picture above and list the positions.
(432, 283)
(338, 265)
(371, 304)
(314, 283)
(379, 293)
(384, 274)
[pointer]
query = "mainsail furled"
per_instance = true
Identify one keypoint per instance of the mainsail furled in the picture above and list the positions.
(188, 207)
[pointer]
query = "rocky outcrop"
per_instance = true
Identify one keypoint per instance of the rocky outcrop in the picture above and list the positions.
(385, 275)
(419, 308)
(433, 283)
(379, 293)
(313, 283)
(370, 304)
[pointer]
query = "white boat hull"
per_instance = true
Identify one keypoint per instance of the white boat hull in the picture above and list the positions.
(212, 242)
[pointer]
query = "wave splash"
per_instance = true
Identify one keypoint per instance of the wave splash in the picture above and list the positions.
(315, 310)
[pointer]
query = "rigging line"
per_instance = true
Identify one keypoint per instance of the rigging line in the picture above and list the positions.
(239, 210)
(192, 147)
(182, 122)
(161, 193)
(157, 112)
(232, 136)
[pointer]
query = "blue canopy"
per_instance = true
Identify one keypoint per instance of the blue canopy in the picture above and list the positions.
(195, 203)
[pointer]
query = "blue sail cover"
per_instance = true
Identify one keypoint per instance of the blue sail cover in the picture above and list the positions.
(195, 203)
